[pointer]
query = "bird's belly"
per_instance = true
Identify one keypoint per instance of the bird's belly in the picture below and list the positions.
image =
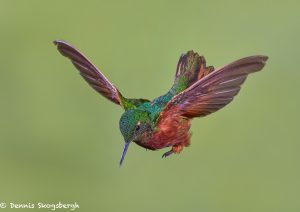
(167, 136)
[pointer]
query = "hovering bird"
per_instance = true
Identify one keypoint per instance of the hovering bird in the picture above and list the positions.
(198, 90)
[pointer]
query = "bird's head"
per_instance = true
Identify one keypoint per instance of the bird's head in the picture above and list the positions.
(135, 125)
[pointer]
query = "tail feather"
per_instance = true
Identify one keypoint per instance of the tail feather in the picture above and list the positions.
(191, 67)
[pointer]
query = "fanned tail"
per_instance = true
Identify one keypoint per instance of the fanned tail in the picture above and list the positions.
(190, 68)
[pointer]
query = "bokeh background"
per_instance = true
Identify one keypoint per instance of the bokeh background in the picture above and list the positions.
(60, 141)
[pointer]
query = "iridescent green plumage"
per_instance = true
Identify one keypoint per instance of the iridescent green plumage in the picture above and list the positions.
(186, 74)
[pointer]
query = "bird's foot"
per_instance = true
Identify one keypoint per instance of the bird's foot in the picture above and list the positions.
(175, 149)
(168, 153)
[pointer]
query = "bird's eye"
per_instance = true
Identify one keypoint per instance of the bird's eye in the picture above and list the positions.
(138, 126)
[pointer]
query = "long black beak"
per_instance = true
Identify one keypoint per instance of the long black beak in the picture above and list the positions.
(124, 152)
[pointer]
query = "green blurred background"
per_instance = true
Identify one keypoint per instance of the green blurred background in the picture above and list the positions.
(60, 141)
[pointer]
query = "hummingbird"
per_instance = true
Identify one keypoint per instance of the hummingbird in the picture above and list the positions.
(198, 90)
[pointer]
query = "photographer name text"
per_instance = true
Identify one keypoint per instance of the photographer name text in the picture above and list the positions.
(40, 205)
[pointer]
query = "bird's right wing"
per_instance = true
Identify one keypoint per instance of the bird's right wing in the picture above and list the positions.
(89, 72)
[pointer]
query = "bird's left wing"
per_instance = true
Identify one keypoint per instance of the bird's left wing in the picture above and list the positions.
(213, 91)
(89, 72)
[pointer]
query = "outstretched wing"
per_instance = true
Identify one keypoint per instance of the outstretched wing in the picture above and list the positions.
(89, 72)
(214, 90)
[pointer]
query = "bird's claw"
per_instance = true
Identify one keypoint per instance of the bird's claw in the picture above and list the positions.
(168, 153)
